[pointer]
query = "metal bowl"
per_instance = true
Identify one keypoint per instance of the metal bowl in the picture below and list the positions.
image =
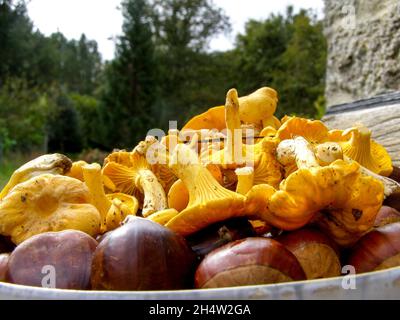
(375, 285)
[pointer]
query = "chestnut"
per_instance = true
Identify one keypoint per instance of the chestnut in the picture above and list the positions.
(250, 261)
(316, 252)
(142, 255)
(3, 266)
(377, 250)
(219, 234)
(386, 215)
(53, 259)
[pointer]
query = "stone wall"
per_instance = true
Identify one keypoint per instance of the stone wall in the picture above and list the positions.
(363, 49)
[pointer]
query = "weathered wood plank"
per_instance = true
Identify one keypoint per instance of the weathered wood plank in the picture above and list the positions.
(384, 122)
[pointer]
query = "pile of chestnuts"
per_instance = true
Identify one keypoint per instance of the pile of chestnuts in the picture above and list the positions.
(144, 255)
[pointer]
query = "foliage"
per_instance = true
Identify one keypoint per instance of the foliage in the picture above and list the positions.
(23, 113)
(287, 53)
(56, 94)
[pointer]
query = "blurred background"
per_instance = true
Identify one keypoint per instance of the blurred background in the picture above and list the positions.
(84, 77)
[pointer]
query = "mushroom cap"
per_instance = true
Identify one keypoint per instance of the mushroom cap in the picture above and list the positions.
(258, 106)
(49, 163)
(122, 157)
(209, 202)
(197, 217)
(76, 170)
(348, 200)
(122, 205)
(314, 131)
(178, 196)
(213, 118)
(370, 154)
(268, 170)
(48, 203)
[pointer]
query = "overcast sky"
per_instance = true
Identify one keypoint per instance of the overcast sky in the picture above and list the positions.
(101, 20)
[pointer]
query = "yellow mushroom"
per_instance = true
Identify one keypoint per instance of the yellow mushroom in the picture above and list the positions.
(209, 202)
(178, 195)
(122, 205)
(348, 199)
(48, 203)
(214, 118)
(256, 109)
(235, 153)
(259, 107)
(76, 170)
(157, 155)
(367, 152)
(268, 169)
(330, 151)
(314, 131)
(113, 208)
(122, 157)
(164, 216)
(245, 180)
(139, 181)
(49, 163)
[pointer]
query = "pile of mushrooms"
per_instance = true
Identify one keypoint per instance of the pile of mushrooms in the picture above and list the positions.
(233, 162)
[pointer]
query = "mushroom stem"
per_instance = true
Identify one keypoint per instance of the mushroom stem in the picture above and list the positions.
(154, 194)
(301, 150)
(328, 152)
(390, 186)
(233, 150)
(245, 179)
(201, 184)
(94, 181)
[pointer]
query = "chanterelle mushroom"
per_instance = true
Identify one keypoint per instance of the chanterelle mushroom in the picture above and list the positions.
(139, 181)
(49, 163)
(367, 152)
(113, 208)
(348, 199)
(48, 203)
(209, 202)
(256, 110)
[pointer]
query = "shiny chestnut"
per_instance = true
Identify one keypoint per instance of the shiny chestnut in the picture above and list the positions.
(142, 255)
(377, 250)
(250, 261)
(316, 252)
(53, 259)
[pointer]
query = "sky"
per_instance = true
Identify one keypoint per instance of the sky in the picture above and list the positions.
(101, 20)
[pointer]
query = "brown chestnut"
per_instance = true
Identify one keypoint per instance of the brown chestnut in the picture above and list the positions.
(219, 234)
(3, 266)
(250, 261)
(316, 252)
(142, 255)
(386, 215)
(53, 259)
(377, 250)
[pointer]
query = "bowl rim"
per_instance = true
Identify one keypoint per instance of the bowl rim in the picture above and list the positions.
(306, 289)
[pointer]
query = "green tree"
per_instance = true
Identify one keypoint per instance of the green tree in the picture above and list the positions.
(15, 39)
(64, 131)
(23, 116)
(183, 31)
(286, 52)
(131, 88)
